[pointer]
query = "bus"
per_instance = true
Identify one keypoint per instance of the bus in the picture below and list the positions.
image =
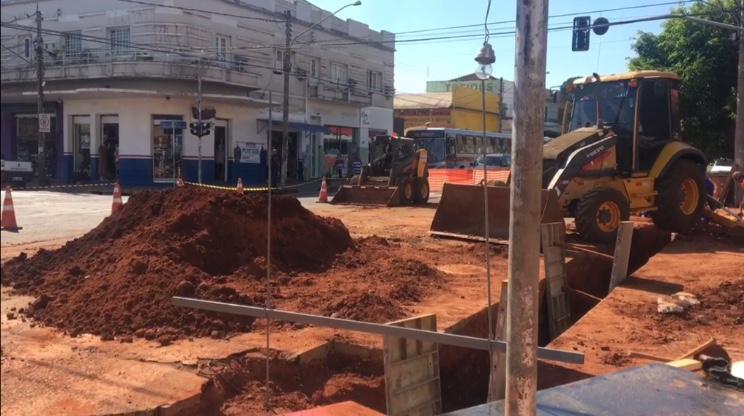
(457, 148)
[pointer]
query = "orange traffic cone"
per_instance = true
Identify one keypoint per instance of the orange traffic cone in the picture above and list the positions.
(323, 197)
(179, 181)
(240, 186)
(9, 220)
(117, 204)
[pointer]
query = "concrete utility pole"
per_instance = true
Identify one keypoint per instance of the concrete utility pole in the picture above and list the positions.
(286, 69)
(199, 115)
(739, 133)
(525, 212)
(41, 158)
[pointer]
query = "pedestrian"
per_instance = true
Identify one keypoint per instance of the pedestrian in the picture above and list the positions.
(275, 167)
(339, 166)
(356, 166)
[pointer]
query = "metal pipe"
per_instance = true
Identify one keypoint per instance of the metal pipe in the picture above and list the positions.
(524, 227)
(482, 344)
(489, 310)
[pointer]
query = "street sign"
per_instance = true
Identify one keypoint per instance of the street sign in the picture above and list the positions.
(172, 124)
(166, 124)
(45, 123)
(178, 124)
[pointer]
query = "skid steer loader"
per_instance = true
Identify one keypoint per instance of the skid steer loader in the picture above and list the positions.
(396, 175)
(619, 151)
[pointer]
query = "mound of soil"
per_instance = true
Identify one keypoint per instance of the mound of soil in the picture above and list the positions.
(119, 278)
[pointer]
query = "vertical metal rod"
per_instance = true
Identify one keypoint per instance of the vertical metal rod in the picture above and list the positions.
(267, 399)
(286, 69)
(485, 218)
(501, 104)
(199, 109)
(41, 157)
(524, 227)
(173, 154)
(739, 131)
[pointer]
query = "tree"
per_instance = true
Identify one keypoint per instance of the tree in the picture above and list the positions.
(706, 59)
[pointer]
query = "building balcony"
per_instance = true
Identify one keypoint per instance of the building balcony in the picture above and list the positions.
(329, 91)
(131, 64)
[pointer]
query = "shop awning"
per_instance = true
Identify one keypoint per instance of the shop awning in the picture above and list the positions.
(312, 128)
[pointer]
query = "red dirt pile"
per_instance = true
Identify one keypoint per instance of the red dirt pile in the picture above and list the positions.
(118, 279)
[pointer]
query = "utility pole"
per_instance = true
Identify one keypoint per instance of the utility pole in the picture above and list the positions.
(525, 212)
(41, 159)
(287, 68)
(199, 111)
(739, 132)
(501, 103)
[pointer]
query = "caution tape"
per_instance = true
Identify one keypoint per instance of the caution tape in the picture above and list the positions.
(235, 188)
(80, 185)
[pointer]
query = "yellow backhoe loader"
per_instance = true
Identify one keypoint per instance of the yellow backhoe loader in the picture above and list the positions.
(619, 151)
(396, 175)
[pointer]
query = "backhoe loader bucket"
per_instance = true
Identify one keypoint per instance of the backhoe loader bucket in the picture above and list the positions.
(367, 195)
(460, 212)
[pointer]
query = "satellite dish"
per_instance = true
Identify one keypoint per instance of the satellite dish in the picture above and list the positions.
(600, 26)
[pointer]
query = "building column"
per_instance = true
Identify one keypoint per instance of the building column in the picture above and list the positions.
(95, 141)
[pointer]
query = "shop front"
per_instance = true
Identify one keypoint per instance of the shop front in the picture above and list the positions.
(20, 139)
(338, 145)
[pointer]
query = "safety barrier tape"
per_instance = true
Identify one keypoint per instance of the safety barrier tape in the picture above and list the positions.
(79, 185)
(235, 188)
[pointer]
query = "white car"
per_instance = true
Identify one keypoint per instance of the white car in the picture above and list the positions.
(16, 173)
(721, 167)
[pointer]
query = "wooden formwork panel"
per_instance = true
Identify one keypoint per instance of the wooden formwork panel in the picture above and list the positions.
(556, 280)
(412, 382)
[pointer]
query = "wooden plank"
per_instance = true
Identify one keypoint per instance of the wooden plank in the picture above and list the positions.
(697, 350)
(412, 383)
(635, 354)
(556, 280)
(497, 377)
(584, 294)
(622, 254)
(687, 364)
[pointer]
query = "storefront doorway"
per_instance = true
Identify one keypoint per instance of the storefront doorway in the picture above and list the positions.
(220, 150)
(108, 166)
(167, 145)
(276, 143)
(81, 148)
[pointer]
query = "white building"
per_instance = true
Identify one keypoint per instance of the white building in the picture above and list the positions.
(117, 73)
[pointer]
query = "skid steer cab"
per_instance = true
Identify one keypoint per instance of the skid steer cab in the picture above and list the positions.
(397, 174)
(620, 151)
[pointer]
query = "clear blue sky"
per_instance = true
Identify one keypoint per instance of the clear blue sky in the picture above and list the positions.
(417, 62)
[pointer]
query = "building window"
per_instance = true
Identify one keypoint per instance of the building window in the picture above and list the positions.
(166, 149)
(339, 73)
(314, 68)
(119, 38)
(374, 80)
(26, 46)
(73, 45)
(279, 63)
(221, 44)
(240, 63)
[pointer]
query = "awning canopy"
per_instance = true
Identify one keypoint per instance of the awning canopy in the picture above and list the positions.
(312, 128)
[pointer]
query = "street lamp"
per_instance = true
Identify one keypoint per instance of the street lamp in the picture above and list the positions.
(287, 67)
(483, 71)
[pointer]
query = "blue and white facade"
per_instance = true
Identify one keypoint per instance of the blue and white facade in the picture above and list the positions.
(115, 71)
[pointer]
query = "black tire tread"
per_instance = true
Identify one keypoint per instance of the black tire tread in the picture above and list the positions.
(585, 216)
(667, 215)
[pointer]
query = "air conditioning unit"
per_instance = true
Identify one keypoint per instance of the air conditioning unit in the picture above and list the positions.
(389, 91)
(301, 73)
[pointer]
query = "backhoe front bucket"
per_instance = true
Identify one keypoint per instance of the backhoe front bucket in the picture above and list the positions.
(367, 195)
(460, 213)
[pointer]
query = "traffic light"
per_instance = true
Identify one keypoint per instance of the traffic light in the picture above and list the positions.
(205, 129)
(581, 32)
(195, 129)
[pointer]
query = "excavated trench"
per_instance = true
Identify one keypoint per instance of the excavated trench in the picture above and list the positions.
(340, 372)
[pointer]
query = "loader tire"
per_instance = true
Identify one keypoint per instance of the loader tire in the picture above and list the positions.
(599, 213)
(407, 191)
(421, 192)
(680, 197)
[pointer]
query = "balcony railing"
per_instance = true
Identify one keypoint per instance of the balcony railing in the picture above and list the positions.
(98, 63)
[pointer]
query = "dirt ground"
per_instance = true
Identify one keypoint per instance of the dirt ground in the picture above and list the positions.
(396, 270)
(710, 268)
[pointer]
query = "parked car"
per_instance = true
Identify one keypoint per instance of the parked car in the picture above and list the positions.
(499, 160)
(16, 173)
(721, 167)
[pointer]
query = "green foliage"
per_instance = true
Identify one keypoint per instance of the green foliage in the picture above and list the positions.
(706, 58)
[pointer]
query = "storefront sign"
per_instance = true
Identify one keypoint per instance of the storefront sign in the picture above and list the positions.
(446, 86)
(419, 117)
(247, 152)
